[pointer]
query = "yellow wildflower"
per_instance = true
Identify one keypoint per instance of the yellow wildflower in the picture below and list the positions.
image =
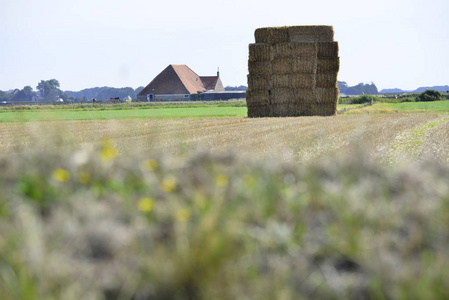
(145, 204)
(182, 215)
(151, 164)
(83, 177)
(221, 180)
(168, 184)
(60, 175)
(108, 150)
(249, 181)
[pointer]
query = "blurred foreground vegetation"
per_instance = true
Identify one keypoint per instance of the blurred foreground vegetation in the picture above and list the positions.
(92, 223)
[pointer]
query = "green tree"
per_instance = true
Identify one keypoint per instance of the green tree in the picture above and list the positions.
(49, 89)
(5, 96)
(429, 95)
(24, 94)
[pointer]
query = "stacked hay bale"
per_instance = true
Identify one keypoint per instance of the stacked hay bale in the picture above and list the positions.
(293, 72)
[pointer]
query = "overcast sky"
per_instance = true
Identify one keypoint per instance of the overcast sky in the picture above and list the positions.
(89, 43)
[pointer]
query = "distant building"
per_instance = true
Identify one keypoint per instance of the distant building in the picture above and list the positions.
(178, 83)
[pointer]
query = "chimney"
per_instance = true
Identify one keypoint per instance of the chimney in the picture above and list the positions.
(218, 71)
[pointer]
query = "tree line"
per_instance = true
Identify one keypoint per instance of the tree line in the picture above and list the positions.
(359, 89)
(49, 90)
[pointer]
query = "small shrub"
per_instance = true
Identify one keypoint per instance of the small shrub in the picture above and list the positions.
(408, 99)
(429, 95)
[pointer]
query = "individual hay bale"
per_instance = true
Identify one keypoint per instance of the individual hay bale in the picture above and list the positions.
(323, 109)
(283, 66)
(281, 80)
(293, 80)
(257, 97)
(281, 110)
(328, 65)
(305, 64)
(260, 52)
(260, 67)
(329, 49)
(311, 30)
(272, 35)
(326, 80)
(254, 111)
(298, 80)
(280, 95)
(311, 33)
(327, 95)
(291, 50)
(259, 82)
(276, 35)
(302, 95)
(259, 111)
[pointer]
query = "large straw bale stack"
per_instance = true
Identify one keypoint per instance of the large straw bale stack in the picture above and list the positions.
(293, 72)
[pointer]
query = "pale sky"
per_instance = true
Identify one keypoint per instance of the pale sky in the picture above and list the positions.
(90, 43)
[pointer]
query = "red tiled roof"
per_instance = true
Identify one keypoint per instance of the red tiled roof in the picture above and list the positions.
(175, 79)
(209, 82)
(190, 79)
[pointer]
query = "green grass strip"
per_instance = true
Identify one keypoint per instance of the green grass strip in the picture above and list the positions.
(23, 116)
(421, 106)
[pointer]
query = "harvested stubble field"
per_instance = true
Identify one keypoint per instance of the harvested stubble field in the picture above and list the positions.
(280, 139)
(226, 208)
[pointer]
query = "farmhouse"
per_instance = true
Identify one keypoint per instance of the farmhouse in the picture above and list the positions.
(179, 82)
